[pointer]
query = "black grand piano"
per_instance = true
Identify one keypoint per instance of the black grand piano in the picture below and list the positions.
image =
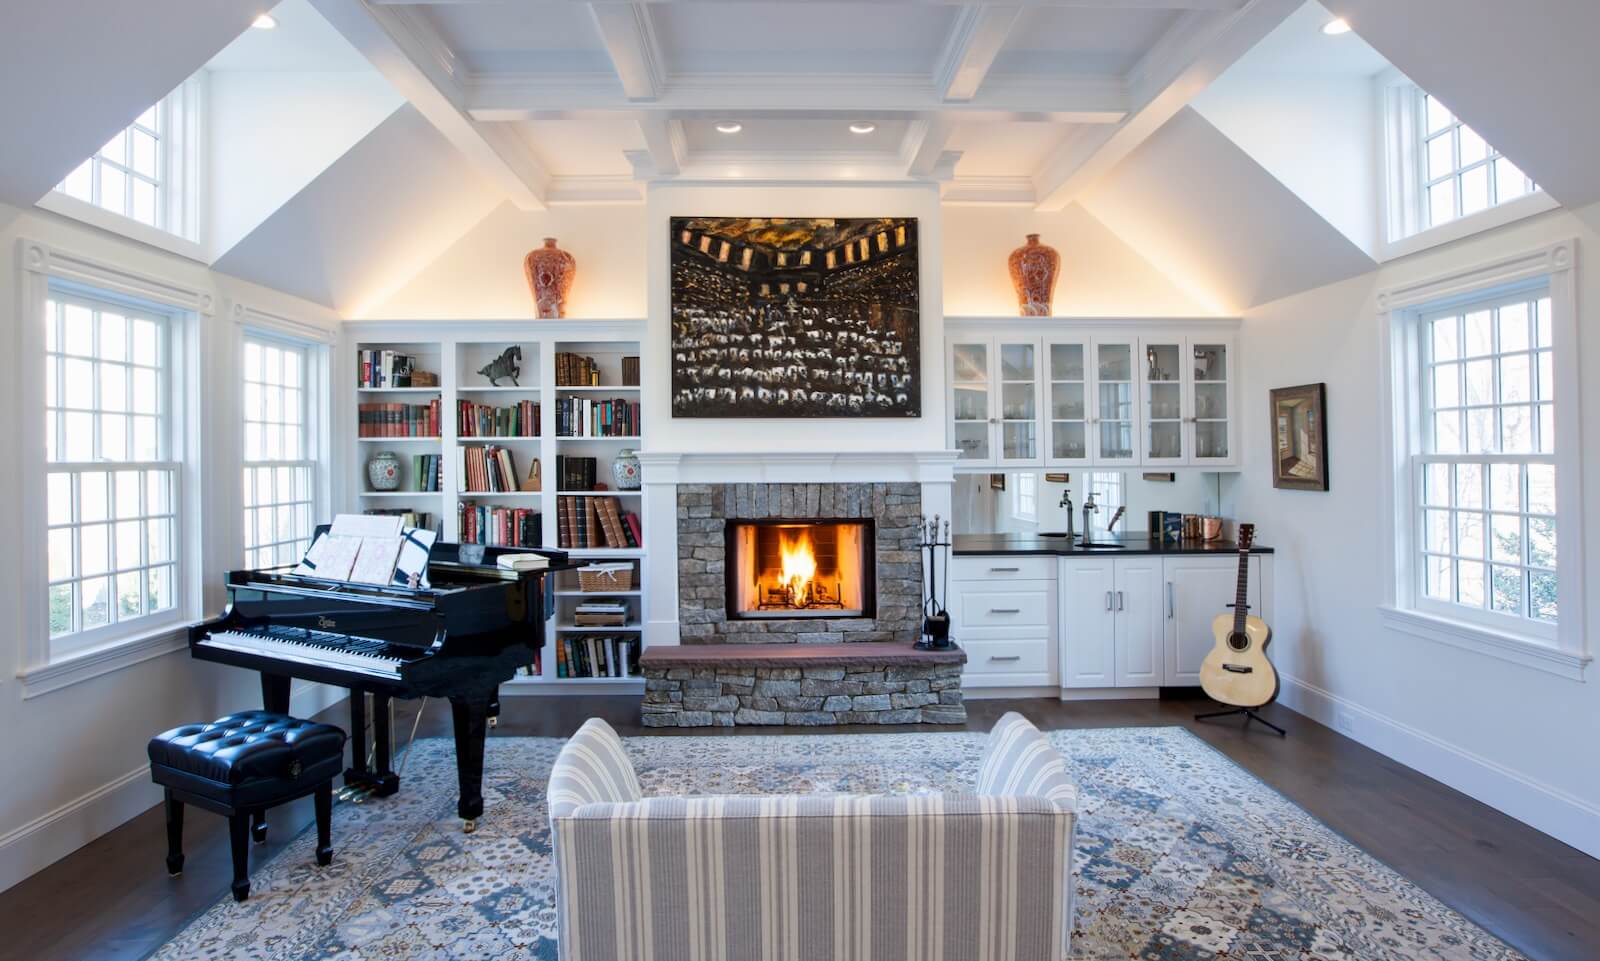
(460, 638)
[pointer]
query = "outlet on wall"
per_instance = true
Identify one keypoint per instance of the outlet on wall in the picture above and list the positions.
(1343, 722)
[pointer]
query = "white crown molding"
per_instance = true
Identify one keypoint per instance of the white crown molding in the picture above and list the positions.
(46, 260)
(598, 189)
(999, 191)
(798, 467)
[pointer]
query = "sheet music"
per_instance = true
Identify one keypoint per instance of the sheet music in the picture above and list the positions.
(330, 556)
(374, 563)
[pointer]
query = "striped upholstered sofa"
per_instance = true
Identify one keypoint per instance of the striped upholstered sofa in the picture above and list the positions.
(979, 877)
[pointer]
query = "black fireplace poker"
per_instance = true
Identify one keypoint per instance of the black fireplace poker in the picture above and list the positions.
(936, 619)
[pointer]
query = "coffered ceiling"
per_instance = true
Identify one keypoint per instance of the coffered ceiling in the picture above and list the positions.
(567, 102)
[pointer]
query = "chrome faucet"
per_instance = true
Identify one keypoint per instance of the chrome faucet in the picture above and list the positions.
(1066, 501)
(1089, 507)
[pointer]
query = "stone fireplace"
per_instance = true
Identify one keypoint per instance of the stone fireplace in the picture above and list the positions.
(798, 563)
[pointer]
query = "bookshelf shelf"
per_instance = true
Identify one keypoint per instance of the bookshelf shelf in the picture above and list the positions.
(607, 351)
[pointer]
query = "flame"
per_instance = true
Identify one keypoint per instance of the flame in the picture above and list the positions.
(799, 565)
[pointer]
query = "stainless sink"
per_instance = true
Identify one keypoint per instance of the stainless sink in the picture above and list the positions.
(1102, 547)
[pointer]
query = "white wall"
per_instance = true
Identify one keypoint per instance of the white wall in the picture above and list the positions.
(270, 132)
(1516, 738)
(75, 757)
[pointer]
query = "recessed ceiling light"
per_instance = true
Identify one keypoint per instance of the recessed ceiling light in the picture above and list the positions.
(729, 126)
(1335, 27)
(863, 126)
(264, 22)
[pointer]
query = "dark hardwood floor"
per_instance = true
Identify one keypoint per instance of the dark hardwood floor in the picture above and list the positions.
(113, 900)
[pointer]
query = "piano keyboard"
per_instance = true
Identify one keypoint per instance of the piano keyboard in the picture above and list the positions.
(319, 648)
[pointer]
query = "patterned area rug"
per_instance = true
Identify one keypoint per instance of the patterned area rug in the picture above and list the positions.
(1182, 856)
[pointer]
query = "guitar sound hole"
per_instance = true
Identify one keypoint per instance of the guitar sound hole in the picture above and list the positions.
(1238, 642)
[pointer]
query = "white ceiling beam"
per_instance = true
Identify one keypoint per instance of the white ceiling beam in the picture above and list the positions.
(1189, 56)
(975, 40)
(663, 140)
(1078, 4)
(925, 143)
(1091, 100)
(420, 66)
(630, 40)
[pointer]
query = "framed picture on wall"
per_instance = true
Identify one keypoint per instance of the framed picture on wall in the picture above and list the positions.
(1300, 438)
(795, 317)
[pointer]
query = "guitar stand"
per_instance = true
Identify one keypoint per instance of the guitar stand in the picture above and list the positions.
(1249, 715)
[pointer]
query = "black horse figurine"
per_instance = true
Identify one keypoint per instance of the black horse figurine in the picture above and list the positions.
(508, 364)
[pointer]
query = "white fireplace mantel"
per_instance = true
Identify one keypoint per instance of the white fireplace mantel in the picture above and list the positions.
(798, 467)
(663, 471)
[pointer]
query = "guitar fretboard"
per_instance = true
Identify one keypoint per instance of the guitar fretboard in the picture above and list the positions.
(1240, 609)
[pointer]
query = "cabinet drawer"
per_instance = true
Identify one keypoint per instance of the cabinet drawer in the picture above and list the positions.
(988, 610)
(1002, 568)
(1007, 657)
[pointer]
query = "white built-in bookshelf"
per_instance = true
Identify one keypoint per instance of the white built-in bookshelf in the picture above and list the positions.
(456, 352)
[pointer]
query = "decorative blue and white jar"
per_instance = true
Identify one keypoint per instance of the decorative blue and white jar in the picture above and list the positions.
(383, 471)
(626, 469)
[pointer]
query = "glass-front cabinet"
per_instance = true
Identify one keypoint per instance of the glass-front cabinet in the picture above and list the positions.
(994, 401)
(1092, 397)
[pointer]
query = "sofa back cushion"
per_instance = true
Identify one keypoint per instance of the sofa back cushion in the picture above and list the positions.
(1018, 760)
(591, 769)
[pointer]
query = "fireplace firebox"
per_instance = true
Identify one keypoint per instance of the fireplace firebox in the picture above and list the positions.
(800, 568)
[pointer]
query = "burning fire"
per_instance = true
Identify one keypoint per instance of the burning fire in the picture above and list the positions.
(799, 565)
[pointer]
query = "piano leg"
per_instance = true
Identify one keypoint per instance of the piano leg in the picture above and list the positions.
(385, 781)
(356, 774)
(471, 716)
(274, 693)
(374, 779)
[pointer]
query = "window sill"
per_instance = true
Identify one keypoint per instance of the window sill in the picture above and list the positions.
(1470, 637)
(86, 213)
(1535, 203)
(44, 678)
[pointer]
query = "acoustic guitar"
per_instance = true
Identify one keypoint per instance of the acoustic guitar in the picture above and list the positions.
(1237, 671)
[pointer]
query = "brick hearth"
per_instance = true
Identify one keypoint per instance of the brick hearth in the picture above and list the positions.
(724, 685)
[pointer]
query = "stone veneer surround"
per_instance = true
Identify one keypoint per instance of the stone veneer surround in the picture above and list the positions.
(703, 511)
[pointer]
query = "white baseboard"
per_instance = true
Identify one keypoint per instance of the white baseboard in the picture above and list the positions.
(1561, 815)
(34, 846)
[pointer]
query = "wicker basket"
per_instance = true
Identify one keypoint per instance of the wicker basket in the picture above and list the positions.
(605, 578)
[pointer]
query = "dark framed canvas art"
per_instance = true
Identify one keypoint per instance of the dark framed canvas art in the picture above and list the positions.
(795, 317)
(1300, 438)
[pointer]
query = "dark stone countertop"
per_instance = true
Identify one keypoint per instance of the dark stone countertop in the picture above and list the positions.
(729, 656)
(1133, 543)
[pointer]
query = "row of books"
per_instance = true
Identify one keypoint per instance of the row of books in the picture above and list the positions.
(589, 522)
(498, 526)
(427, 473)
(489, 469)
(582, 417)
(398, 420)
(576, 473)
(597, 655)
(388, 368)
(576, 370)
(486, 420)
(408, 518)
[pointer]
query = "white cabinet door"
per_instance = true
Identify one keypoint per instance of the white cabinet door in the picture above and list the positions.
(1016, 376)
(1197, 590)
(971, 407)
(1115, 425)
(1087, 628)
(1067, 402)
(1139, 661)
(1213, 421)
(1162, 388)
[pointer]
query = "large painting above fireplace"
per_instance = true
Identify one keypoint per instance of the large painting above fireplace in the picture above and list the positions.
(795, 317)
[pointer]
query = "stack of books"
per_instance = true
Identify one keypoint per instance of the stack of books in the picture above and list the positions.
(597, 655)
(590, 522)
(575, 473)
(582, 417)
(600, 614)
(630, 372)
(398, 420)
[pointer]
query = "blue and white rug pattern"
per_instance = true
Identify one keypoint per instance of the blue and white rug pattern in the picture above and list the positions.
(1181, 856)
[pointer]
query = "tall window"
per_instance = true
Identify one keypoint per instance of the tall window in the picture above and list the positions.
(1026, 496)
(143, 173)
(1440, 169)
(279, 490)
(1485, 472)
(112, 476)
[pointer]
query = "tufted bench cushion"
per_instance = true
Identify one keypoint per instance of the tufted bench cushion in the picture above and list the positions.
(251, 757)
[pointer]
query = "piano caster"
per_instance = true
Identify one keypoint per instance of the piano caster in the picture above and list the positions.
(469, 826)
(494, 722)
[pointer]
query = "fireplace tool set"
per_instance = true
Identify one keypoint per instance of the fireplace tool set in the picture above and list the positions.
(936, 620)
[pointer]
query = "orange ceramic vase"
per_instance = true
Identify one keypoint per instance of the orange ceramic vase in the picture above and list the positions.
(1034, 267)
(550, 271)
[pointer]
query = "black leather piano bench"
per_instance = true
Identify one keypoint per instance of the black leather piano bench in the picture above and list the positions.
(239, 766)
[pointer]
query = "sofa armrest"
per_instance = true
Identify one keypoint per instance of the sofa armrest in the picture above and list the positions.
(592, 768)
(1019, 761)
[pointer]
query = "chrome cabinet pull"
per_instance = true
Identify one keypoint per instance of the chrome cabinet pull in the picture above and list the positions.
(1169, 600)
(1008, 657)
(1005, 610)
(1004, 570)
(1119, 600)
(1108, 600)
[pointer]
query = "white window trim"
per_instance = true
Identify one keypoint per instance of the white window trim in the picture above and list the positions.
(1399, 200)
(1398, 308)
(39, 264)
(316, 388)
(182, 196)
